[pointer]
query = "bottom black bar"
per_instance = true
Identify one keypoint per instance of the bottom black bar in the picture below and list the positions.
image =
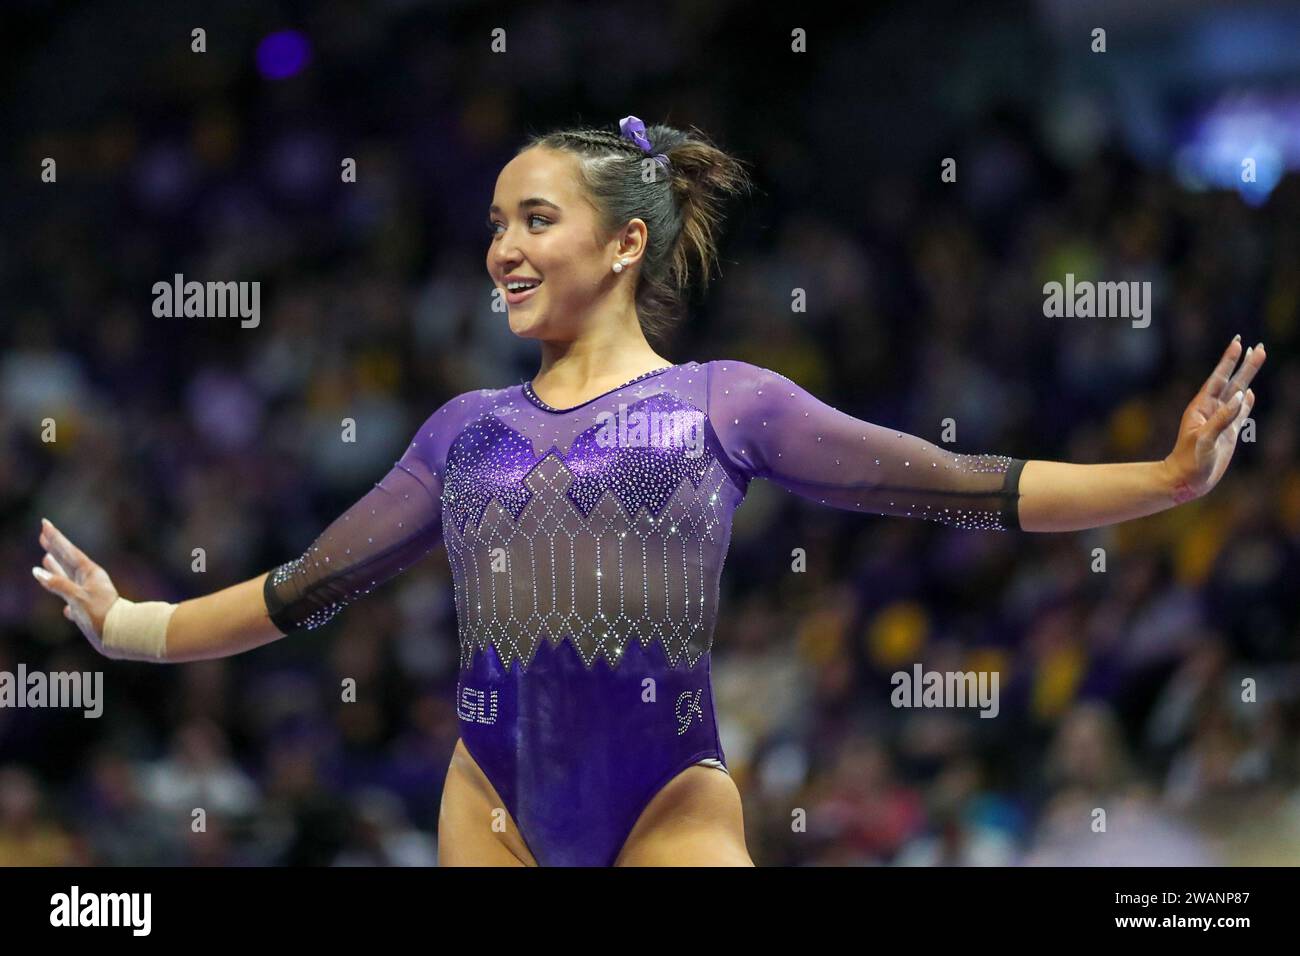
(336, 906)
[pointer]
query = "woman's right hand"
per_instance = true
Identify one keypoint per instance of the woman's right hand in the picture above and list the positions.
(83, 584)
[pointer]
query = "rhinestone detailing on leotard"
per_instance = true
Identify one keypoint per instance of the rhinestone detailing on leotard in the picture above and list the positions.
(555, 530)
(597, 544)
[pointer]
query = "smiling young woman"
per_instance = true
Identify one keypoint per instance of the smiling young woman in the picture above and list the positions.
(587, 575)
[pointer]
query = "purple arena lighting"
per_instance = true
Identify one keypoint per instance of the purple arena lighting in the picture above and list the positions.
(283, 54)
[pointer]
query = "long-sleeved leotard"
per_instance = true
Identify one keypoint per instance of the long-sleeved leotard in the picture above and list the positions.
(586, 547)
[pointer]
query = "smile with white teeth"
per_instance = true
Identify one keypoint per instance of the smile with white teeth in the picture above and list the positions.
(523, 284)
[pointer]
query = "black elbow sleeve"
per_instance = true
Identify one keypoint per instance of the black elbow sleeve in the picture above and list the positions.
(1011, 494)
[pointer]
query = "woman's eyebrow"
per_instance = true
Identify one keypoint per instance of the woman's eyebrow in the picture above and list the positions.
(528, 204)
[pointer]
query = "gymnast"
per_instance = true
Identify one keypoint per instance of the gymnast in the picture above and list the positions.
(586, 570)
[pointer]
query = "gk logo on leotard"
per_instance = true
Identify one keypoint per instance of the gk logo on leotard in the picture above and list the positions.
(472, 706)
(692, 710)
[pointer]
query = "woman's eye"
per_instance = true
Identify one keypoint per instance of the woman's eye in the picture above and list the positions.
(492, 226)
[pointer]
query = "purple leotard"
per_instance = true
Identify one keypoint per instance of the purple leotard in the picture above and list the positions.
(586, 546)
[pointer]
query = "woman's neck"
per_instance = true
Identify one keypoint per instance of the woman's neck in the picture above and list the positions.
(579, 365)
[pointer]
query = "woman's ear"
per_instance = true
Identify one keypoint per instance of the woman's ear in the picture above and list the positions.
(635, 237)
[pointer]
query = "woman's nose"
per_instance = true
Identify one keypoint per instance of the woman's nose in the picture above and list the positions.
(505, 252)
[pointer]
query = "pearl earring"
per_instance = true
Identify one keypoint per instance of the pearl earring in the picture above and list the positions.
(618, 266)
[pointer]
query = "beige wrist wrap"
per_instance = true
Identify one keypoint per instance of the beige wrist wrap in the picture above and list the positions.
(140, 630)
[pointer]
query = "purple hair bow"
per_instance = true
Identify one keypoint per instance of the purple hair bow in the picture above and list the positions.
(633, 129)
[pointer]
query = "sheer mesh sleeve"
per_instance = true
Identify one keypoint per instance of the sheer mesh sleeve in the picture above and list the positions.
(394, 525)
(771, 428)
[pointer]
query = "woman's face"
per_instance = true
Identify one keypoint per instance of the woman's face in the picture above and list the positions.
(542, 228)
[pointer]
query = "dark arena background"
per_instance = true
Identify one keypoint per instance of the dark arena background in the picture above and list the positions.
(924, 171)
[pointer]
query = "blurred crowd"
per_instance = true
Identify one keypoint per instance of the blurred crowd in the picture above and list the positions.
(1163, 690)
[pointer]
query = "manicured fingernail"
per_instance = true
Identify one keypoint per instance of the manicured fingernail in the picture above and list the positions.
(1241, 397)
(1259, 345)
(41, 574)
(1237, 337)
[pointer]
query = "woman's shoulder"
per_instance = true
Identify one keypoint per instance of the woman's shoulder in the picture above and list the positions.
(738, 367)
(728, 373)
(478, 398)
(459, 411)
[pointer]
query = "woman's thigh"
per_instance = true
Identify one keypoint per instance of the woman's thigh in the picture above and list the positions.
(696, 820)
(474, 827)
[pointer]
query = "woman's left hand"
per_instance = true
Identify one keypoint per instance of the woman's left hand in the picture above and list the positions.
(1207, 436)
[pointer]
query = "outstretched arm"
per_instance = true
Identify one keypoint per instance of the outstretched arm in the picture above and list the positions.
(1060, 496)
(220, 624)
(771, 428)
(394, 525)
